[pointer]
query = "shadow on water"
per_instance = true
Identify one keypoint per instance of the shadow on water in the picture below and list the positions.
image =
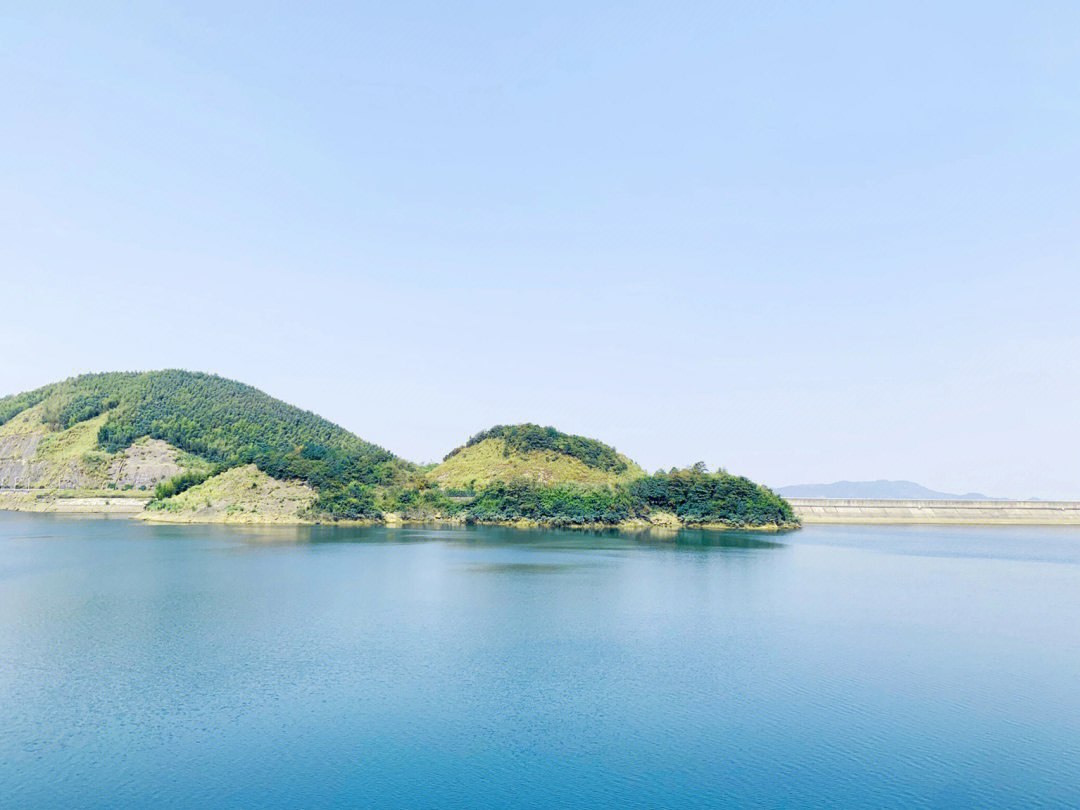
(18, 524)
(525, 568)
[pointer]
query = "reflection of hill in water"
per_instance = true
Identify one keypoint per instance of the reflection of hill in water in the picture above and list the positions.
(534, 537)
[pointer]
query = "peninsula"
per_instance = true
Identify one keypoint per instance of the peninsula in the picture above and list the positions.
(181, 446)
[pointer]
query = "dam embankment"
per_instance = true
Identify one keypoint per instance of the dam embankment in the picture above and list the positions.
(1017, 513)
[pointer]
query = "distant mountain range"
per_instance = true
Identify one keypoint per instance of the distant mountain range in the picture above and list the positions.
(880, 490)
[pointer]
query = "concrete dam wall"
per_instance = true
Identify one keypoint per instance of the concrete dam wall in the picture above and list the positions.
(1033, 513)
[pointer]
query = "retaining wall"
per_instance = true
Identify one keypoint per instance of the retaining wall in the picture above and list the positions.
(851, 510)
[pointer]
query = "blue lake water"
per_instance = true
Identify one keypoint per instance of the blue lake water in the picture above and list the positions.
(168, 667)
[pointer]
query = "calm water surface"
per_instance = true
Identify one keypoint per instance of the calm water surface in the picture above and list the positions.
(167, 667)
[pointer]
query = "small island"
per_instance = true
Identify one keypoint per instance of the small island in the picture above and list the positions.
(188, 447)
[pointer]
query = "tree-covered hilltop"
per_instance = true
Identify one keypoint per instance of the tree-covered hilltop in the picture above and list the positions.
(220, 420)
(692, 496)
(543, 455)
(526, 437)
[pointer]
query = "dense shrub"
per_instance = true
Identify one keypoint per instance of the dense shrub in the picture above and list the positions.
(562, 505)
(361, 502)
(184, 481)
(353, 501)
(695, 496)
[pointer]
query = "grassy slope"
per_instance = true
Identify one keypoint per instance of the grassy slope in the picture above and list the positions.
(72, 460)
(64, 459)
(72, 455)
(239, 495)
(476, 466)
(27, 420)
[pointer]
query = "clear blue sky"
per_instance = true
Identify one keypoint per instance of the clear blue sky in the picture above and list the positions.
(802, 241)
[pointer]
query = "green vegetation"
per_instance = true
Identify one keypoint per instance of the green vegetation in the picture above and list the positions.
(415, 500)
(223, 421)
(474, 467)
(184, 481)
(542, 455)
(523, 438)
(238, 495)
(71, 458)
(245, 456)
(15, 404)
(694, 496)
(67, 408)
(559, 505)
(352, 501)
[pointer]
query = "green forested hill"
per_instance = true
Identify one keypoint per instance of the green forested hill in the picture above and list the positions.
(219, 419)
(526, 437)
(543, 455)
(690, 496)
(190, 433)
